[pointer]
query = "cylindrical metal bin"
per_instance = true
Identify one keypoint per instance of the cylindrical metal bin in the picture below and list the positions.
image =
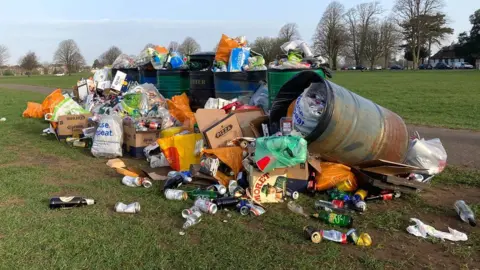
(352, 129)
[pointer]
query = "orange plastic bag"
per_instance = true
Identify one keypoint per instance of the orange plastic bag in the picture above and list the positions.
(33, 110)
(179, 107)
(161, 49)
(332, 175)
(225, 47)
(48, 105)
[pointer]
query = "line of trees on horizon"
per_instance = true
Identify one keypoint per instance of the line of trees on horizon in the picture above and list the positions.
(361, 35)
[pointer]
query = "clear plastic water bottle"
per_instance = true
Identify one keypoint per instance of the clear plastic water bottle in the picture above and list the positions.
(465, 213)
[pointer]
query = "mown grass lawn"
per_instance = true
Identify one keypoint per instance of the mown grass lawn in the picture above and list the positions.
(52, 81)
(34, 167)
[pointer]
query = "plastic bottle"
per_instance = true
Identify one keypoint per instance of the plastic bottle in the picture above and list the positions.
(335, 204)
(336, 219)
(198, 193)
(297, 209)
(69, 202)
(186, 175)
(191, 220)
(384, 197)
(465, 213)
(334, 236)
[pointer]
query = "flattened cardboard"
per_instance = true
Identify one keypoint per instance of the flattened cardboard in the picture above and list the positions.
(157, 174)
(223, 131)
(207, 117)
(264, 186)
(135, 141)
(256, 126)
(245, 117)
(70, 124)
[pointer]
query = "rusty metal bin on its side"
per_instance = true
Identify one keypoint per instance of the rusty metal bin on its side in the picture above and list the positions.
(352, 129)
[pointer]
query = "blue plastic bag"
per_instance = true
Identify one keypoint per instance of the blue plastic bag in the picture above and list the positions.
(238, 58)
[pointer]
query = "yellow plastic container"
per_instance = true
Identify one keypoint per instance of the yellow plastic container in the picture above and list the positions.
(170, 132)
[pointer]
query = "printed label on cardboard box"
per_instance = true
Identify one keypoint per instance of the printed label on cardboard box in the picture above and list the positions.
(268, 187)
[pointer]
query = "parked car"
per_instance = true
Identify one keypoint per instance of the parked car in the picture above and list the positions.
(377, 67)
(442, 66)
(462, 65)
(344, 68)
(351, 68)
(360, 67)
(396, 67)
(425, 66)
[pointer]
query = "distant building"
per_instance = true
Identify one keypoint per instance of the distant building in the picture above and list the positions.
(446, 55)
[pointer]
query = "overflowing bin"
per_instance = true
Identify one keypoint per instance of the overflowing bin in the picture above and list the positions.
(202, 84)
(229, 85)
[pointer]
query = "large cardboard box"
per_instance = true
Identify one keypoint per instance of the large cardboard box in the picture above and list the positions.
(385, 174)
(297, 177)
(67, 125)
(135, 141)
(245, 117)
(257, 128)
(268, 187)
(223, 131)
(207, 117)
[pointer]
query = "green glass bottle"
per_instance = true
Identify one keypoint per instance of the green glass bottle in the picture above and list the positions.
(336, 194)
(335, 219)
(199, 193)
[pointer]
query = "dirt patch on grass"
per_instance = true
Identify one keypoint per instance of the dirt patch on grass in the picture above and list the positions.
(447, 195)
(12, 201)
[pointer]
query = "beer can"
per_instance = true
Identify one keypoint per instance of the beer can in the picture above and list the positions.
(206, 206)
(243, 207)
(312, 234)
(361, 194)
(293, 194)
(176, 194)
(153, 125)
(192, 211)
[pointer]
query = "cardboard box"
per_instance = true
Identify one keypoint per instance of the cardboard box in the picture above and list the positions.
(207, 117)
(256, 126)
(268, 187)
(223, 131)
(135, 141)
(297, 177)
(385, 174)
(67, 125)
(245, 117)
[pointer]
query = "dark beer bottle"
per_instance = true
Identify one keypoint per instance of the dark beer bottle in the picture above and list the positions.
(69, 202)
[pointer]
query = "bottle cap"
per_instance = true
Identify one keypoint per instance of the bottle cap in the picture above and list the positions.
(472, 222)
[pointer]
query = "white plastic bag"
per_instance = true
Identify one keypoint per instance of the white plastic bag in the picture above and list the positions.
(102, 75)
(108, 137)
(309, 108)
(427, 154)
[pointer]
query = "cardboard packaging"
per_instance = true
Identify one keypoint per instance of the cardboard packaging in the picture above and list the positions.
(135, 141)
(256, 126)
(68, 125)
(267, 187)
(207, 117)
(245, 117)
(297, 177)
(223, 131)
(384, 174)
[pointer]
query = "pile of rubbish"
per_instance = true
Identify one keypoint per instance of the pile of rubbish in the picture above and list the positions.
(237, 156)
(233, 55)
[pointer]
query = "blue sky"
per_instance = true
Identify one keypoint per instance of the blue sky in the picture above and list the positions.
(96, 25)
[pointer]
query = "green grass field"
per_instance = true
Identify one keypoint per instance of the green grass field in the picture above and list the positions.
(434, 98)
(34, 167)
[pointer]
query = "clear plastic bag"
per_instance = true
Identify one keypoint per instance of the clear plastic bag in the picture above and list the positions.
(427, 154)
(124, 61)
(309, 108)
(260, 98)
(102, 75)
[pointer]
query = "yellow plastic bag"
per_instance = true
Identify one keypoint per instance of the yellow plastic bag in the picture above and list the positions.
(334, 174)
(180, 150)
(225, 47)
(33, 110)
(48, 105)
(179, 107)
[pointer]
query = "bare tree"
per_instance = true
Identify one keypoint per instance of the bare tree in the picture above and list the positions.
(189, 46)
(108, 57)
(289, 32)
(4, 55)
(45, 66)
(330, 36)
(411, 16)
(29, 62)
(390, 39)
(268, 47)
(373, 49)
(68, 54)
(359, 20)
(173, 46)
